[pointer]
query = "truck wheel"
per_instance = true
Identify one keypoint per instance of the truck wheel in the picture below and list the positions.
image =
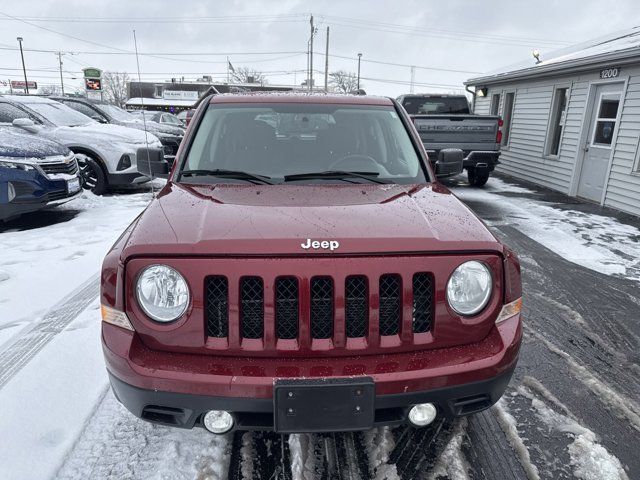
(477, 179)
(93, 177)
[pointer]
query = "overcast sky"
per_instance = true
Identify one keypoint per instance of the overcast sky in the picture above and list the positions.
(447, 41)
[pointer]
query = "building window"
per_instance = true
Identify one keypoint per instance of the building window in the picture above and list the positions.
(556, 121)
(507, 114)
(606, 121)
(495, 103)
(157, 93)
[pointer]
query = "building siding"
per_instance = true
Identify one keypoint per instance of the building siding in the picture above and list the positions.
(524, 156)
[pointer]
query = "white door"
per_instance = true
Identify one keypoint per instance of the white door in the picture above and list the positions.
(602, 129)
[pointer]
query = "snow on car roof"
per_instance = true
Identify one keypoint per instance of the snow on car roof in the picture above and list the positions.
(610, 47)
(299, 97)
(27, 99)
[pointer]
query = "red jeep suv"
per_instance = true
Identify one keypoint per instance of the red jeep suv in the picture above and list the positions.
(303, 271)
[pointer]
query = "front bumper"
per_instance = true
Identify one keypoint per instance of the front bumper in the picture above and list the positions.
(176, 389)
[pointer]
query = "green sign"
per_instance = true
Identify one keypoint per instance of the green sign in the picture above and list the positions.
(92, 73)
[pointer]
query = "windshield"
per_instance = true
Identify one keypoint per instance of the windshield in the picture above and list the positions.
(116, 112)
(284, 140)
(60, 114)
(435, 105)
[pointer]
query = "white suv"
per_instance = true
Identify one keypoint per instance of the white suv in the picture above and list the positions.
(106, 153)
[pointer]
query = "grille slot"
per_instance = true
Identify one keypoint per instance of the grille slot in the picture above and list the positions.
(287, 307)
(70, 168)
(422, 302)
(390, 300)
(321, 307)
(252, 307)
(356, 306)
(216, 291)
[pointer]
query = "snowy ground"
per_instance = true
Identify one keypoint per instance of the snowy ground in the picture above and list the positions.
(571, 411)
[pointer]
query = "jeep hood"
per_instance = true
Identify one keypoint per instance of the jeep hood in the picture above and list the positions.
(276, 220)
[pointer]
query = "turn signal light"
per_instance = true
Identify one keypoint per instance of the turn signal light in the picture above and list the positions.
(509, 310)
(115, 317)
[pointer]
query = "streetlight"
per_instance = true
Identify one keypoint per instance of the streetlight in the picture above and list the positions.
(359, 57)
(24, 70)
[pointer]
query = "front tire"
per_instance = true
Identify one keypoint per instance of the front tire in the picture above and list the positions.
(93, 177)
(477, 179)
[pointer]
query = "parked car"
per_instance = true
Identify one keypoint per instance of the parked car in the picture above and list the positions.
(34, 173)
(106, 153)
(103, 112)
(186, 115)
(304, 279)
(445, 121)
(163, 118)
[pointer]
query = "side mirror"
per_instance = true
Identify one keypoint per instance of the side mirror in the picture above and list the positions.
(151, 163)
(26, 124)
(450, 162)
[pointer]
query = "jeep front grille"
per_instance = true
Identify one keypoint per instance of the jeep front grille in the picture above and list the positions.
(287, 308)
(216, 298)
(319, 308)
(252, 307)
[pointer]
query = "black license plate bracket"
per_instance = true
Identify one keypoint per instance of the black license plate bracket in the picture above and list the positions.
(323, 405)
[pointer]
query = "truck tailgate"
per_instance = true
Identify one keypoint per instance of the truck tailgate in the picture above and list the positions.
(467, 132)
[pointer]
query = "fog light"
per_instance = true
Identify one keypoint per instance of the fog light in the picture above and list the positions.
(422, 414)
(218, 421)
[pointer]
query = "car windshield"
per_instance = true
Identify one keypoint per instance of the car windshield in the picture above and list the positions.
(116, 112)
(303, 143)
(60, 114)
(435, 105)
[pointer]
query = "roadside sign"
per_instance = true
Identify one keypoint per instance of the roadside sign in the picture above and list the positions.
(21, 84)
(93, 84)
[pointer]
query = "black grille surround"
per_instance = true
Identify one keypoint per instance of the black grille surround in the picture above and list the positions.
(321, 307)
(320, 294)
(286, 308)
(422, 302)
(216, 304)
(356, 302)
(251, 307)
(390, 304)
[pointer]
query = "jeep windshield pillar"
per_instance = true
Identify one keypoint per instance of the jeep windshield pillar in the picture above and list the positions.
(303, 271)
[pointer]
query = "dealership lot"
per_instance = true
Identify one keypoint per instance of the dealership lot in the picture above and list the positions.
(571, 410)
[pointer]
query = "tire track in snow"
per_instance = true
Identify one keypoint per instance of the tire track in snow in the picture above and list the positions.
(20, 352)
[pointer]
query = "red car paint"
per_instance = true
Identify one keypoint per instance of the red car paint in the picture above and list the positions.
(239, 230)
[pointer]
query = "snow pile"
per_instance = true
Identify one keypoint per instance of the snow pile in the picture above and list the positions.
(380, 444)
(40, 266)
(589, 459)
(451, 462)
(597, 242)
(509, 427)
(303, 459)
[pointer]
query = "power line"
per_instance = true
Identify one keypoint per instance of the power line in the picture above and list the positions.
(404, 65)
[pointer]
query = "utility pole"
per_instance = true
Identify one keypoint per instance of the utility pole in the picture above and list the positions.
(359, 57)
(61, 80)
(24, 69)
(311, 56)
(326, 64)
(413, 77)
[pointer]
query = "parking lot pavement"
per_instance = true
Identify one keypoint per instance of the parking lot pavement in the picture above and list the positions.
(571, 410)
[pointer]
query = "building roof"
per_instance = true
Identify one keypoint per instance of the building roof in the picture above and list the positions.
(619, 48)
(159, 102)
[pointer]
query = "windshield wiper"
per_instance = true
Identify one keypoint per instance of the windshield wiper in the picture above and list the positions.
(235, 174)
(339, 174)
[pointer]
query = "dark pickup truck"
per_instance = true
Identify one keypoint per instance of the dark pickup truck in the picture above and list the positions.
(445, 121)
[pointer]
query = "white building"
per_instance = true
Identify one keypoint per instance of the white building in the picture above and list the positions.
(572, 120)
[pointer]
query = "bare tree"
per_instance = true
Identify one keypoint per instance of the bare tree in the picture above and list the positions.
(247, 75)
(343, 82)
(49, 90)
(114, 87)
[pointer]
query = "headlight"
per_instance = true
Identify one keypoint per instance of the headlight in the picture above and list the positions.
(162, 293)
(469, 288)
